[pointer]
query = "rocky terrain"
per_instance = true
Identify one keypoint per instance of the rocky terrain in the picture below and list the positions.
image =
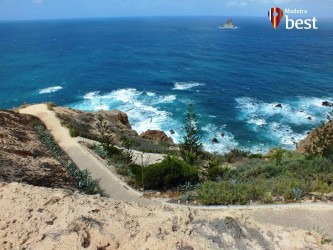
(85, 123)
(36, 214)
(313, 136)
(23, 158)
(41, 218)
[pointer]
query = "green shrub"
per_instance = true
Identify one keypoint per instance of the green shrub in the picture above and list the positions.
(298, 193)
(222, 193)
(73, 132)
(217, 172)
(234, 154)
(99, 150)
(84, 181)
(170, 173)
(277, 155)
(189, 156)
(256, 156)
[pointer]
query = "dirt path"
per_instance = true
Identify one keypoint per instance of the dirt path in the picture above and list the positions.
(297, 217)
(303, 216)
(139, 157)
(111, 186)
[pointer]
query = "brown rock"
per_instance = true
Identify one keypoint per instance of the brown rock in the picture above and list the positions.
(156, 135)
(116, 116)
(312, 136)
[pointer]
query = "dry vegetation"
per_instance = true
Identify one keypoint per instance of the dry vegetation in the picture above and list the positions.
(23, 158)
(84, 124)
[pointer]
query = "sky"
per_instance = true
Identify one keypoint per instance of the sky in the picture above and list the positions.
(63, 9)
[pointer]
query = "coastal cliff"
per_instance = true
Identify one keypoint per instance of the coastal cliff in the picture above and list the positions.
(58, 216)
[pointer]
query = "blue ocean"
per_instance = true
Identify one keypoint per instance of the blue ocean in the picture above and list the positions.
(151, 68)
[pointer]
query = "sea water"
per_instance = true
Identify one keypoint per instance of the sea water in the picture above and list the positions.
(151, 68)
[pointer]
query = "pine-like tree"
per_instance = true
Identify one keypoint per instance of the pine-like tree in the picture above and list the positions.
(191, 141)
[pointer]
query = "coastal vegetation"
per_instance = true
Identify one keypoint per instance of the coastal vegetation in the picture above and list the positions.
(190, 146)
(84, 181)
(236, 177)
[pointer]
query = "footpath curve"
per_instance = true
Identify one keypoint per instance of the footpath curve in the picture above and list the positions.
(111, 185)
(298, 215)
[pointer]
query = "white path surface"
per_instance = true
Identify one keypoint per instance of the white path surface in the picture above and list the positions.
(111, 185)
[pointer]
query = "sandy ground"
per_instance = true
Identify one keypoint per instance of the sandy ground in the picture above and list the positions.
(41, 218)
(264, 228)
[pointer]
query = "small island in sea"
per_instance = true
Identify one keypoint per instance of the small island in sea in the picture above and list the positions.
(228, 25)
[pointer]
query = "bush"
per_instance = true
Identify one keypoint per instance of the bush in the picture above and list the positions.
(256, 156)
(84, 181)
(225, 193)
(276, 155)
(217, 172)
(170, 173)
(73, 132)
(234, 154)
(190, 157)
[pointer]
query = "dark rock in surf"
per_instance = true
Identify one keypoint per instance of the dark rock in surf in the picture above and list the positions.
(327, 104)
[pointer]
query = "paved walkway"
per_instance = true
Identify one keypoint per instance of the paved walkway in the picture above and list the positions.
(139, 157)
(304, 216)
(110, 184)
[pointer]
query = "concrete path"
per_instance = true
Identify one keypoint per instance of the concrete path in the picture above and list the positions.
(110, 184)
(139, 157)
(304, 216)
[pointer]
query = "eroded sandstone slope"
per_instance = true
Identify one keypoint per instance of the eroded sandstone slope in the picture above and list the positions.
(40, 218)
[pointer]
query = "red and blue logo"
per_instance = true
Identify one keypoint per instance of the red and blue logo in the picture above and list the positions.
(275, 16)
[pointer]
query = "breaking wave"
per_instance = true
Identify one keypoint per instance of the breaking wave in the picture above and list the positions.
(281, 123)
(186, 85)
(49, 90)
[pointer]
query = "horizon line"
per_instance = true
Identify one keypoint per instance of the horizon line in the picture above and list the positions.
(122, 17)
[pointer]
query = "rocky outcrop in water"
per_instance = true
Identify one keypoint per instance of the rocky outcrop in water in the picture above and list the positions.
(156, 135)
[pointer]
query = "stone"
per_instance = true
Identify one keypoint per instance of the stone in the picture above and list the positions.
(156, 135)
(278, 105)
(215, 140)
(116, 116)
(327, 104)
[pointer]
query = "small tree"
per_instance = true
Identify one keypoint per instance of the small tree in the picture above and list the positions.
(277, 156)
(103, 127)
(191, 141)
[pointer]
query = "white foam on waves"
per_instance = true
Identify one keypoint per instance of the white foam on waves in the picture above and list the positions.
(278, 124)
(49, 90)
(141, 107)
(186, 85)
(226, 140)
